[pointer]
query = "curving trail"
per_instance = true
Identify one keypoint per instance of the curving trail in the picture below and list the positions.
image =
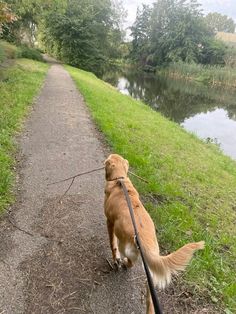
(62, 268)
(59, 265)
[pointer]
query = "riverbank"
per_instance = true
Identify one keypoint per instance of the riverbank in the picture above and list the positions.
(19, 84)
(191, 192)
(210, 75)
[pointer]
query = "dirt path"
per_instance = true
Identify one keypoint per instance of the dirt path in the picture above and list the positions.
(40, 274)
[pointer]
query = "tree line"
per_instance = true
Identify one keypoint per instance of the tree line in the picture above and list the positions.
(176, 30)
(89, 34)
(84, 33)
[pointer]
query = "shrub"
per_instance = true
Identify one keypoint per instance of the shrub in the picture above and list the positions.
(2, 55)
(29, 53)
(7, 51)
(213, 52)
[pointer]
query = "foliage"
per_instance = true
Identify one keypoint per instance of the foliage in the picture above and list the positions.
(29, 53)
(6, 15)
(20, 85)
(86, 34)
(213, 52)
(2, 54)
(141, 35)
(212, 75)
(220, 23)
(29, 13)
(191, 191)
(7, 51)
(230, 57)
(173, 31)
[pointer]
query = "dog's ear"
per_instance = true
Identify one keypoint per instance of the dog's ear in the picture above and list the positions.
(106, 161)
(126, 165)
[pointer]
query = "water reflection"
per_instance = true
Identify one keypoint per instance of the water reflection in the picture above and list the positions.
(215, 125)
(208, 112)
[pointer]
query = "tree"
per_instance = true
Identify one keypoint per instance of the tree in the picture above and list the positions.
(170, 31)
(140, 31)
(29, 13)
(220, 23)
(86, 34)
(6, 15)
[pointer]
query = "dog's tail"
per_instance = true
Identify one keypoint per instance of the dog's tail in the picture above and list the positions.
(162, 267)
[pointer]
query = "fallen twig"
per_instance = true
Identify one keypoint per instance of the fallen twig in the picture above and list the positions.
(91, 171)
(22, 230)
(83, 173)
(77, 175)
(109, 263)
(67, 190)
(68, 295)
(31, 234)
(139, 277)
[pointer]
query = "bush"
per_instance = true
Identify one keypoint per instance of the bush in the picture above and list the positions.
(2, 55)
(7, 51)
(213, 52)
(29, 53)
(212, 75)
(230, 57)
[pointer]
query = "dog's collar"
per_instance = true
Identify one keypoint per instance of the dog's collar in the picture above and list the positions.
(117, 178)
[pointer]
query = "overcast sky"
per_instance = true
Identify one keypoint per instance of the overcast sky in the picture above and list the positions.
(227, 7)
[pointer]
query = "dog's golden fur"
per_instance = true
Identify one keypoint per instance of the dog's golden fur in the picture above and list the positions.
(121, 231)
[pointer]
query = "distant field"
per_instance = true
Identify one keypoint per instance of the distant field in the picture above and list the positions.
(229, 38)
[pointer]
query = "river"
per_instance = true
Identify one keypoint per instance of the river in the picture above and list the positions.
(209, 112)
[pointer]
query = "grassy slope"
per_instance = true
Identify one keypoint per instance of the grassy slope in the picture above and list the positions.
(194, 183)
(20, 84)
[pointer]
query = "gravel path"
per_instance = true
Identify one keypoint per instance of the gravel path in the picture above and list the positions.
(62, 268)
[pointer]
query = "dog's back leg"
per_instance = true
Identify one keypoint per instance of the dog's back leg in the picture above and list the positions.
(113, 242)
(130, 253)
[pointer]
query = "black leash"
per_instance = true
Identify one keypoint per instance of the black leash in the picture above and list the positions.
(155, 301)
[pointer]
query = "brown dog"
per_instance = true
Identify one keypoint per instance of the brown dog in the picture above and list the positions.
(121, 230)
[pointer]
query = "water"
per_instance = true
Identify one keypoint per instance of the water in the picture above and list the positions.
(208, 112)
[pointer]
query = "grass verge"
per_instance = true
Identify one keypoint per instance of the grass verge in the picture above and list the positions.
(191, 193)
(20, 84)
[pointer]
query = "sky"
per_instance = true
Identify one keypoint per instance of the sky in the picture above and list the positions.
(227, 7)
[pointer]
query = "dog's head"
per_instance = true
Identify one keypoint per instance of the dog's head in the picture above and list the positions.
(116, 166)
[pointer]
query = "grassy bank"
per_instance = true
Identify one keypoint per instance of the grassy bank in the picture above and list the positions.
(19, 85)
(191, 195)
(211, 75)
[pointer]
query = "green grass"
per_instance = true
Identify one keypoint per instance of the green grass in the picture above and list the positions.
(20, 84)
(211, 75)
(193, 181)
